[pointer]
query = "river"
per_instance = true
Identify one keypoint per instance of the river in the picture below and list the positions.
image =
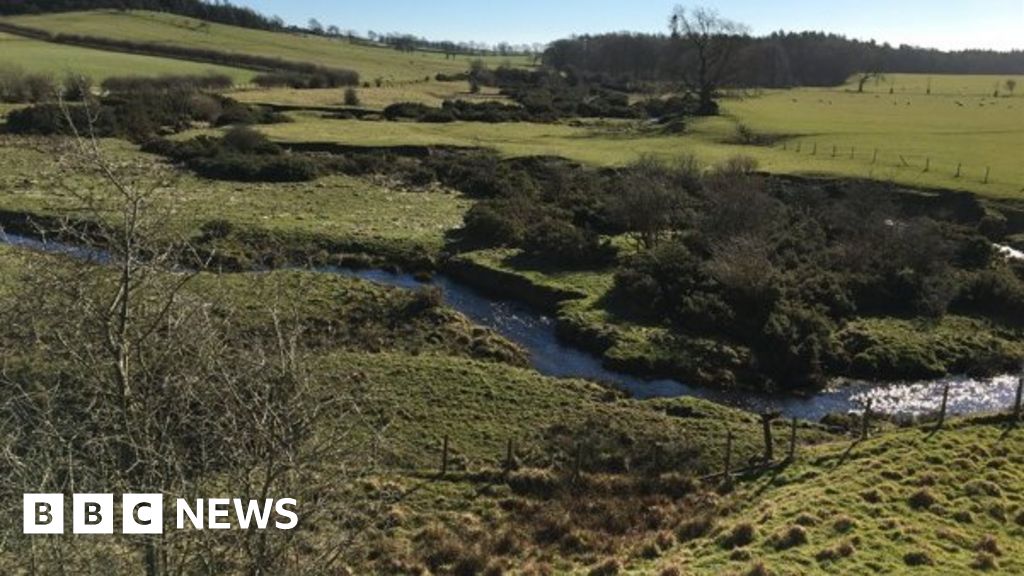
(535, 332)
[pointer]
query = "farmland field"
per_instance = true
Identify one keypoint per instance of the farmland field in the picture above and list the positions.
(927, 132)
(339, 208)
(57, 59)
(430, 93)
(370, 61)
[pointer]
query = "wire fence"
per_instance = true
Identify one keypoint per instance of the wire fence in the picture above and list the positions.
(881, 158)
(575, 464)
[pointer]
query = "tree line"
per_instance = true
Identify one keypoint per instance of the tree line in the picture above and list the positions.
(779, 60)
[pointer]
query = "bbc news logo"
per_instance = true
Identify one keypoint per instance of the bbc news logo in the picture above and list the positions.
(144, 514)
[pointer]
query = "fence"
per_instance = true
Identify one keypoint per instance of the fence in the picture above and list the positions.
(767, 459)
(884, 158)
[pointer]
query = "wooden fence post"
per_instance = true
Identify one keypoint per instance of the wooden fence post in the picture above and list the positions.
(792, 441)
(814, 152)
(444, 456)
(834, 150)
(874, 157)
(958, 166)
(942, 409)
(1020, 396)
(853, 151)
(766, 427)
(865, 422)
(927, 164)
(728, 454)
(988, 169)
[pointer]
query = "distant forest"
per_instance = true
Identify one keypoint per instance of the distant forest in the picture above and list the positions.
(221, 12)
(776, 61)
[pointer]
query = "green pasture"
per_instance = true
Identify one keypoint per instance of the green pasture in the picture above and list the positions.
(431, 93)
(370, 213)
(370, 61)
(920, 144)
(58, 59)
(907, 502)
(940, 84)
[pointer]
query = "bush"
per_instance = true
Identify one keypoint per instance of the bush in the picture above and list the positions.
(922, 499)
(406, 110)
(790, 538)
(167, 83)
(560, 242)
(740, 535)
(245, 140)
(351, 97)
(18, 86)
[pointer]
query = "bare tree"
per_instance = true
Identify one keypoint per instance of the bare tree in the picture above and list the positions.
(865, 77)
(712, 42)
(1011, 85)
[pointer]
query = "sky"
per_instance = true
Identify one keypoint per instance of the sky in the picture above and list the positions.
(944, 24)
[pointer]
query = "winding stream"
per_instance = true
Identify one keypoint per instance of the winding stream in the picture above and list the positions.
(535, 332)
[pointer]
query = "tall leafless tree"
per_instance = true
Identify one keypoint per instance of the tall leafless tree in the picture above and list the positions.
(711, 46)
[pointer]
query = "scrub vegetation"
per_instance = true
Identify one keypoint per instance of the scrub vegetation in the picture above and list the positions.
(752, 214)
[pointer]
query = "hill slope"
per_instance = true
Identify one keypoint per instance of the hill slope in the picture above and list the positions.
(907, 501)
(58, 59)
(371, 62)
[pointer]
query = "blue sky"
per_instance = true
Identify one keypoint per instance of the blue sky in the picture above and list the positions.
(947, 24)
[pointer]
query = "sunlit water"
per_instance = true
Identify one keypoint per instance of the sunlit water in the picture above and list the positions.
(535, 332)
(1010, 252)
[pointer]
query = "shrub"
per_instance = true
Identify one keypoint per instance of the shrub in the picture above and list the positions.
(922, 499)
(694, 528)
(558, 241)
(122, 85)
(918, 559)
(990, 545)
(351, 97)
(77, 87)
(246, 140)
(741, 534)
(985, 562)
(790, 538)
(406, 110)
(739, 165)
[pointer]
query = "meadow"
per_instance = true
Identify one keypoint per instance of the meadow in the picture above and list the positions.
(58, 60)
(431, 93)
(372, 216)
(914, 140)
(371, 62)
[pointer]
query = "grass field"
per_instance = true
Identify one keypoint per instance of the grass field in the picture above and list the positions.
(982, 137)
(340, 208)
(940, 84)
(906, 502)
(371, 62)
(430, 93)
(58, 59)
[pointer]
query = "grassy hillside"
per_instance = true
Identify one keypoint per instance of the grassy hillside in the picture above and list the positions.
(371, 62)
(907, 502)
(57, 59)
